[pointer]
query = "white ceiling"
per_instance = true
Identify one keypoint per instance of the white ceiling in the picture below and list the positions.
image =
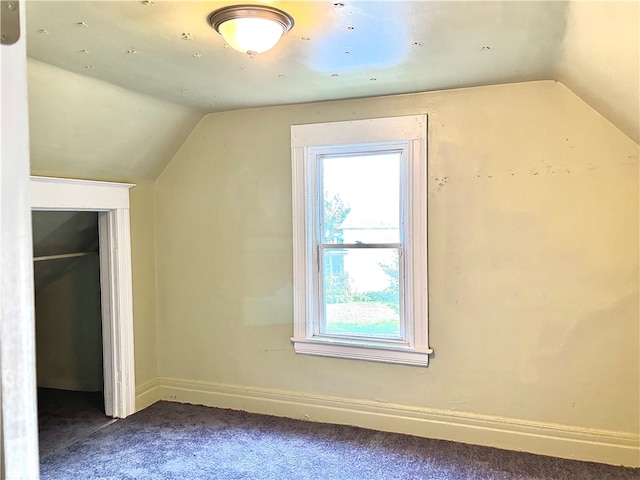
(97, 111)
(334, 51)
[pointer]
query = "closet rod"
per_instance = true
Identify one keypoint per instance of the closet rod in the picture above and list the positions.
(63, 255)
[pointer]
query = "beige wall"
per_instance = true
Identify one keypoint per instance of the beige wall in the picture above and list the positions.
(533, 259)
(144, 281)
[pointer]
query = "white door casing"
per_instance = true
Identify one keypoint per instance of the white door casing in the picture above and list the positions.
(111, 200)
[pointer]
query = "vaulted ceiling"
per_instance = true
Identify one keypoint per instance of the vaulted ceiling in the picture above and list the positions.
(164, 67)
(333, 51)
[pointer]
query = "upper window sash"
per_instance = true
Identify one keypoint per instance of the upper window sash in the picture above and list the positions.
(315, 186)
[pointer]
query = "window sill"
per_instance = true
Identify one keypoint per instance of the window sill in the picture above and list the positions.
(400, 354)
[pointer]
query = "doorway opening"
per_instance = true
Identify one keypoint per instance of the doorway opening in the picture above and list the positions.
(68, 317)
(110, 203)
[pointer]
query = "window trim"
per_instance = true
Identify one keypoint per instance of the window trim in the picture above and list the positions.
(392, 130)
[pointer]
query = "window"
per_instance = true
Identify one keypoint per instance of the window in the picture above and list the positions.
(360, 239)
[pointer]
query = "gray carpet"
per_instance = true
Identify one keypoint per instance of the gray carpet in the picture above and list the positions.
(65, 417)
(175, 441)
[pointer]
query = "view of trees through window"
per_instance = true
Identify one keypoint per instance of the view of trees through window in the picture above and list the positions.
(361, 209)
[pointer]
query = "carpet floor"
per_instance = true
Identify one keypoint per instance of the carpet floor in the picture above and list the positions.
(65, 417)
(178, 441)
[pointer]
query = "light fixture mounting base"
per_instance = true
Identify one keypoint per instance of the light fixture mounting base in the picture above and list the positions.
(224, 14)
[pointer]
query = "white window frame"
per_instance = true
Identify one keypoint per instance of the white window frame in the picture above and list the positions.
(408, 133)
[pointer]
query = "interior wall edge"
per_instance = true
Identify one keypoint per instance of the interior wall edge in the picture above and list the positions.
(613, 90)
(154, 216)
(147, 394)
(630, 132)
(391, 96)
(186, 140)
(564, 441)
(144, 264)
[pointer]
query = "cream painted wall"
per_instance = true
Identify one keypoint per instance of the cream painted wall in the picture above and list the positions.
(533, 259)
(144, 280)
(600, 59)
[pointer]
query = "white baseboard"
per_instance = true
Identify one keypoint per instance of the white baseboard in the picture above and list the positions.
(564, 441)
(147, 394)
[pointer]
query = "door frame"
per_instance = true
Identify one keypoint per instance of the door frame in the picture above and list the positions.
(18, 410)
(111, 201)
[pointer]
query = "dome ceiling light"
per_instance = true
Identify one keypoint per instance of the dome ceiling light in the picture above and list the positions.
(251, 29)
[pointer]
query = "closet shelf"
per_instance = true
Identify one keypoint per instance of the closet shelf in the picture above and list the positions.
(63, 255)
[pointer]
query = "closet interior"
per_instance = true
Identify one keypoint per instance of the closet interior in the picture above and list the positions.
(66, 267)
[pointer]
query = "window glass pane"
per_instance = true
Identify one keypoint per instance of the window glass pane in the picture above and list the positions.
(361, 198)
(361, 293)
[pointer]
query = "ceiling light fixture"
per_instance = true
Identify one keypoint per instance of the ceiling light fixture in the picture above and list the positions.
(251, 29)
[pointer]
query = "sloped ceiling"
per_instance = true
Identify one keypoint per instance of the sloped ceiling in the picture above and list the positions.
(82, 127)
(600, 58)
(56, 233)
(115, 87)
(332, 52)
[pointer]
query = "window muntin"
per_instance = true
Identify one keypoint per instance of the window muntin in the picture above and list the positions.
(324, 248)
